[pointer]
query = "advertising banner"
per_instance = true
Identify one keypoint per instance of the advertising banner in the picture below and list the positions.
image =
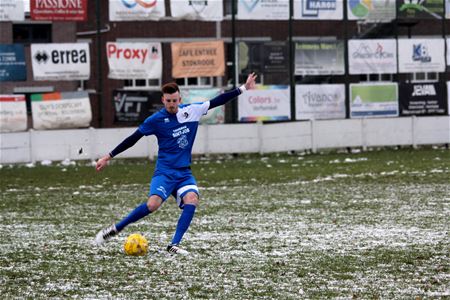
(318, 9)
(61, 61)
(13, 113)
(198, 59)
(134, 60)
(319, 101)
(265, 103)
(61, 110)
(373, 100)
(422, 99)
(12, 63)
(135, 106)
(263, 57)
(448, 97)
(422, 9)
(215, 115)
(319, 58)
(136, 10)
(48, 10)
(201, 10)
(263, 10)
(12, 10)
(447, 9)
(448, 51)
(372, 56)
(421, 55)
(371, 11)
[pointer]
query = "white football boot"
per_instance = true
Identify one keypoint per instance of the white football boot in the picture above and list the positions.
(105, 234)
(174, 249)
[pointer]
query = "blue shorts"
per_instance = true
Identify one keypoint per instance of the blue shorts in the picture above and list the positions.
(176, 182)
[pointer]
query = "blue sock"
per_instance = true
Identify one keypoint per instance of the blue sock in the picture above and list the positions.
(137, 214)
(183, 223)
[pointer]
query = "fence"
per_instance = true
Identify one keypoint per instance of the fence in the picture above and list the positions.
(84, 144)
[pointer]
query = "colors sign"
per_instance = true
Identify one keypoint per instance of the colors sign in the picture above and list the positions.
(373, 100)
(13, 113)
(58, 10)
(202, 10)
(265, 103)
(421, 55)
(12, 63)
(198, 59)
(215, 115)
(372, 56)
(134, 60)
(136, 10)
(61, 110)
(61, 61)
(319, 101)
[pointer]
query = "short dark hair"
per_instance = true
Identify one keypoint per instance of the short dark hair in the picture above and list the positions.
(170, 88)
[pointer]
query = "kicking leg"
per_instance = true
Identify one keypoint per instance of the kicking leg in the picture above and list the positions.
(144, 209)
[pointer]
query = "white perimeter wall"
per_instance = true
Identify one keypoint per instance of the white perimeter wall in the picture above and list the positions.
(77, 144)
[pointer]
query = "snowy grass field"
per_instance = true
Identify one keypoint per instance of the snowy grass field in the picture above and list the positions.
(364, 225)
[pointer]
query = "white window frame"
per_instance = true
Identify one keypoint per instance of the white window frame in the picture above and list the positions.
(200, 82)
(147, 86)
(426, 78)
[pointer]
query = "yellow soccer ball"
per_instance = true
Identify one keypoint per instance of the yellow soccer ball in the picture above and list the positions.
(136, 245)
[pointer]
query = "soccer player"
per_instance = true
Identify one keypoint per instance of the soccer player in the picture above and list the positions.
(175, 127)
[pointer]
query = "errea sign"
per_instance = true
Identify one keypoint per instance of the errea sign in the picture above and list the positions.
(69, 61)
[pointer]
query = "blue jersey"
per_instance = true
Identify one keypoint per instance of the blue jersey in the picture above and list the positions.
(175, 133)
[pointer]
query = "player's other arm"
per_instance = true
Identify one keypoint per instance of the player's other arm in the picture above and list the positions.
(124, 145)
(225, 97)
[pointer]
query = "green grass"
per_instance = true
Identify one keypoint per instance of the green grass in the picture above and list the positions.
(335, 225)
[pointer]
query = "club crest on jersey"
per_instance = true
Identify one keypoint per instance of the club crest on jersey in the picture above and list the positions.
(166, 120)
(183, 142)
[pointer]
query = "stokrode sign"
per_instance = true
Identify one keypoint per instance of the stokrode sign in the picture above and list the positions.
(69, 61)
(58, 10)
(422, 99)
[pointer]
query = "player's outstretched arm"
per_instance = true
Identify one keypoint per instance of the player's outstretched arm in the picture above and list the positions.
(225, 97)
(124, 145)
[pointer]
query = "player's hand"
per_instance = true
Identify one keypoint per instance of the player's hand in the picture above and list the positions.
(251, 81)
(102, 162)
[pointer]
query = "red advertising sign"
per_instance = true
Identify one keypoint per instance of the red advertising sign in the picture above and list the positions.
(58, 10)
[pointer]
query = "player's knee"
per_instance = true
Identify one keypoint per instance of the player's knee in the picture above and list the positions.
(191, 198)
(154, 202)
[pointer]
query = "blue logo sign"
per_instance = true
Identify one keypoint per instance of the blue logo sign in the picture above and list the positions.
(311, 8)
(420, 53)
(12, 63)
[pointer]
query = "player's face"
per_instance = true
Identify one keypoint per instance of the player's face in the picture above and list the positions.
(171, 102)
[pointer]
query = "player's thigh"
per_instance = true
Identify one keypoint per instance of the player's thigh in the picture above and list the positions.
(162, 186)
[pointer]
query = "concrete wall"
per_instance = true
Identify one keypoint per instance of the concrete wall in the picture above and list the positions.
(80, 144)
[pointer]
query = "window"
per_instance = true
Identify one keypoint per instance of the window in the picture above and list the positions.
(142, 84)
(32, 33)
(376, 77)
(201, 82)
(423, 77)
